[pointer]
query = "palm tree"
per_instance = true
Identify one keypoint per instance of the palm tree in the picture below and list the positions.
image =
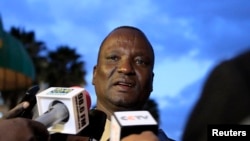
(65, 68)
(36, 49)
(62, 67)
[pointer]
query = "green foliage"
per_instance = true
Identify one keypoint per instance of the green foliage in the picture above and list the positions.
(62, 67)
(65, 68)
(35, 49)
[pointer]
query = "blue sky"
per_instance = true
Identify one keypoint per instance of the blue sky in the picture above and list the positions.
(189, 38)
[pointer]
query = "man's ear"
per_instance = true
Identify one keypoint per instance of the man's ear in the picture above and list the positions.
(94, 73)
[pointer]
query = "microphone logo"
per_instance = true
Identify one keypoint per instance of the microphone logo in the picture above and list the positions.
(80, 108)
(135, 117)
(60, 91)
(124, 123)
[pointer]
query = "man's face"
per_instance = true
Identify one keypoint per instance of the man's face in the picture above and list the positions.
(123, 76)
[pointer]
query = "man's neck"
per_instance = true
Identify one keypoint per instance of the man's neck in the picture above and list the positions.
(108, 112)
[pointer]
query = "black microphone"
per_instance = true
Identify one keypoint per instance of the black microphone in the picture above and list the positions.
(97, 121)
(30, 96)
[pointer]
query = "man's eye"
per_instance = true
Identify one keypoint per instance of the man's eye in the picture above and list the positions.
(114, 58)
(140, 62)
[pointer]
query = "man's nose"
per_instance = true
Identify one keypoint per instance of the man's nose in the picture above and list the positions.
(126, 67)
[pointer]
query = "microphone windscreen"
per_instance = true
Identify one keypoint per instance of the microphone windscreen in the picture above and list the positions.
(30, 96)
(97, 121)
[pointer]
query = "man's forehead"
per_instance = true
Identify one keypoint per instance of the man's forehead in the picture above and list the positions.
(127, 37)
(123, 36)
(125, 32)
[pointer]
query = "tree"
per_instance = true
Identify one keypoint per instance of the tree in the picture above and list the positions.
(65, 68)
(62, 67)
(57, 68)
(33, 48)
(36, 49)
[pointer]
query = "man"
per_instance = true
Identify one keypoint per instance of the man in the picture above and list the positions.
(123, 76)
(225, 98)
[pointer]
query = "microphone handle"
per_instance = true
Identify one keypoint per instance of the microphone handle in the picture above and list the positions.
(30, 96)
(57, 113)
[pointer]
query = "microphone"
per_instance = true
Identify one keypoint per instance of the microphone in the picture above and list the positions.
(30, 96)
(63, 110)
(97, 121)
(124, 123)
